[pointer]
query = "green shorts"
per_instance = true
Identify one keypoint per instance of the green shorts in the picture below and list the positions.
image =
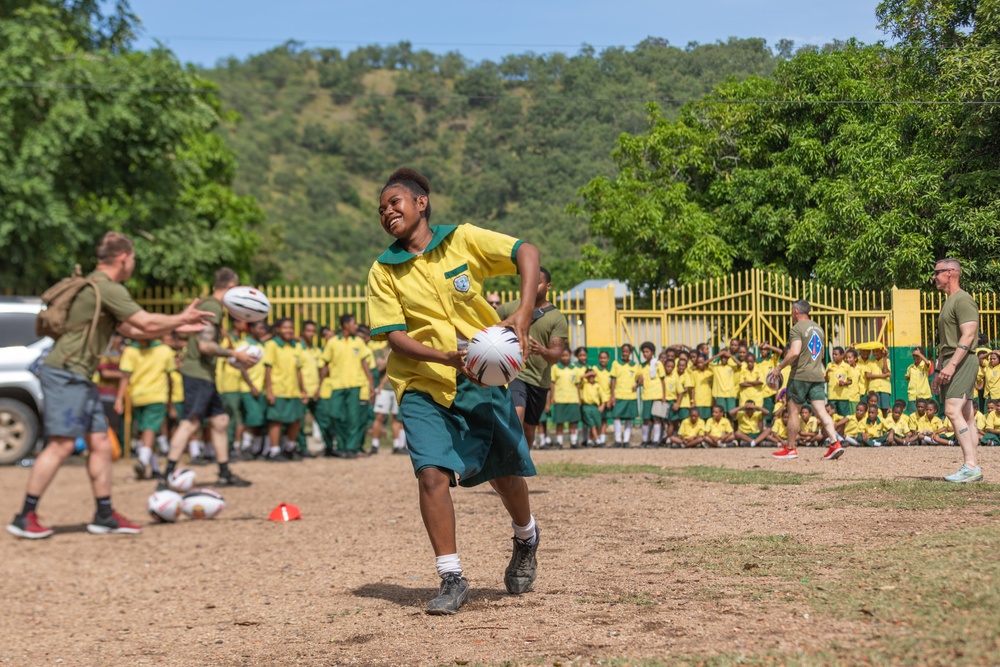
(179, 409)
(253, 410)
(149, 417)
(625, 409)
(679, 414)
(647, 411)
(991, 439)
(963, 383)
(284, 410)
(884, 400)
(726, 403)
(478, 438)
(231, 400)
(704, 412)
(769, 404)
(591, 416)
(752, 436)
(565, 413)
(801, 392)
(843, 408)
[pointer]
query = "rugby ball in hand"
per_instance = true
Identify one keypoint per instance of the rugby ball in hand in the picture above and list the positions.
(774, 381)
(181, 480)
(254, 351)
(494, 356)
(247, 303)
(202, 504)
(164, 506)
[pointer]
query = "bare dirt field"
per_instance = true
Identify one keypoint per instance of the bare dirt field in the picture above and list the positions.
(647, 557)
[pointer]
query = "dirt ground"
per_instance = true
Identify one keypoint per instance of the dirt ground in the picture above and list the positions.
(347, 584)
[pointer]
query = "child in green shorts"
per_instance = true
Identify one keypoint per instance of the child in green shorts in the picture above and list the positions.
(565, 397)
(284, 390)
(594, 398)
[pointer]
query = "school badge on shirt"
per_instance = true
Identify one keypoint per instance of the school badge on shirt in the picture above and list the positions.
(462, 283)
(815, 346)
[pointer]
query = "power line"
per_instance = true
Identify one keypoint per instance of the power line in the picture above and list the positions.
(451, 96)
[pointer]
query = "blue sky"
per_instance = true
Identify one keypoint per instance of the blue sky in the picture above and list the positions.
(204, 31)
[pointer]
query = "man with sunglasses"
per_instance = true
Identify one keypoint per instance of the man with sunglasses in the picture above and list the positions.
(958, 330)
(493, 299)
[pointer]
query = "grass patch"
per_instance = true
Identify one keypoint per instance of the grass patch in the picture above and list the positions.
(570, 469)
(733, 476)
(916, 494)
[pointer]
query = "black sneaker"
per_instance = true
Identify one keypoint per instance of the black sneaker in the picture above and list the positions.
(399, 450)
(116, 523)
(373, 451)
(454, 593)
(520, 574)
(141, 472)
(232, 481)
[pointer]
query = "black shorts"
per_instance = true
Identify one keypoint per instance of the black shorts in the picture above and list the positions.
(201, 399)
(529, 397)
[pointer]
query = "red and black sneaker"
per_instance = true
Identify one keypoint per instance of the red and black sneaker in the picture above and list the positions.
(835, 452)
(785, 453)
(116, 523)
(27, 526)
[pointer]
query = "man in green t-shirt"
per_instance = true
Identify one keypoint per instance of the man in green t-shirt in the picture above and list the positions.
(958, 330)
(72, 405)
(547, 337)
(202, 401)
(806, 382)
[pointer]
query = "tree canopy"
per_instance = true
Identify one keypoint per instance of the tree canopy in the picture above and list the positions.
(859, 165)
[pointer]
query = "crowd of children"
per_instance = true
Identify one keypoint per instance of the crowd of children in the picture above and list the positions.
(336, 377)
(693, 398)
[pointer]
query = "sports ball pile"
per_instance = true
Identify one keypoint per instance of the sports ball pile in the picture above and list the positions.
(247, 303)
(164, 506)
(181, 480)
(254, 351)
(494, 356)
(202, 504)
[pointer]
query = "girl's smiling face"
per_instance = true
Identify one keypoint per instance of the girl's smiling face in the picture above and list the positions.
(400, 211)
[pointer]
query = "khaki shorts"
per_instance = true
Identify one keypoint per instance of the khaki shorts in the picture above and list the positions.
(963, 383)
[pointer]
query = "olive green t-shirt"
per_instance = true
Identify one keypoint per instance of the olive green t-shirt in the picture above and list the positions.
(196, 364)
(958, 309)
(808, 367)
(537, 372)
(117, 306)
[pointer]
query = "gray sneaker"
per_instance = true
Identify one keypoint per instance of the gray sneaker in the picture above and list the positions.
(520, 573)
(454, 593)
(966, 474)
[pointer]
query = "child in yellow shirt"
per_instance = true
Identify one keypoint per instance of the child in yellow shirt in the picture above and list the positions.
(718, 429)
(898, 428)
(854, 429)
(595, 398)
(565, 397)
(691, 432)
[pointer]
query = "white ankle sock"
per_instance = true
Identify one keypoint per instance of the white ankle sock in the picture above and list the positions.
(525, 533)
(448, 564)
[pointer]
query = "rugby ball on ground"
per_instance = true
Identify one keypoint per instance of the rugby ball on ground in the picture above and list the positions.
(255, 351)
(164, 506)
(494, 356)
(181, 480)
(202, 504)
(247, 303)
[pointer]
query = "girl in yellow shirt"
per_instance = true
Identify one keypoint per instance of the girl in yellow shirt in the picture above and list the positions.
(425, 296)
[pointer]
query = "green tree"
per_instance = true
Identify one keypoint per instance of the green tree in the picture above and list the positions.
(97, 138)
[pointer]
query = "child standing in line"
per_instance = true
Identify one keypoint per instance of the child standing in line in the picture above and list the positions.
(594, 398)
(564, 397)
(425, 296)
(603, 372)
(624, 396)
(284, 390)
(652, 378)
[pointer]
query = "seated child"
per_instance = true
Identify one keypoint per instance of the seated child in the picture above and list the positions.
(691, 432)
(779, 431)
(899, 431)
(928, 424)
(854, 426)
(989, 433)
(719, 429)
(750, 426)
(809, 435)
(873, 429)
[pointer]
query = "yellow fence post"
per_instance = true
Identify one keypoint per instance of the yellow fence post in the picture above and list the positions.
(601, 317)
(905, 335)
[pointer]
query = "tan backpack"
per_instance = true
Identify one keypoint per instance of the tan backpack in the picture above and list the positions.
(51, 321)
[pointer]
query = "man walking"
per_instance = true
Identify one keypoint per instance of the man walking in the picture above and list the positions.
(73, 407)
(806, 382)
(958, 330)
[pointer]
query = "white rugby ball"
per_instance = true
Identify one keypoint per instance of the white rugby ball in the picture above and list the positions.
(202, 504)
(181, 480)
(164, 506)
(494, 356)
(254, 351)
(247, 303)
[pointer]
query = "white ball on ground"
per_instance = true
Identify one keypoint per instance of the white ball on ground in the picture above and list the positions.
(181, 480)
(494, 356)
(164, 506)
(247, 303)
(202, 504)
(254, 351)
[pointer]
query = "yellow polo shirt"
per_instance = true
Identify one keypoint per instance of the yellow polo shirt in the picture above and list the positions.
(283, 360)
(435, 297)
(750, 422)
(766, 366)
(343, 358)
(926, 423)
(901, 426)
(810, 425)
(724, 382)
(624, 375)
(852, 392)
(255, 372)
(227, 376)
(991, 381)
(780, 429)
(652, 387)
(148, 366)
(836, 372)
(853, 426)
(564, 382)
(717, 429)
(672, 386)
(604, 379)
(881, 385)
(593, 394)
(755, 393)
(992, 422)
(701, 381)
(309, 362)
(176, 386)
(683, 397)
(689, 429)
(368, 359)
(917, 384)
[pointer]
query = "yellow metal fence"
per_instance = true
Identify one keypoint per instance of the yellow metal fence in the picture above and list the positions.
(989, 315)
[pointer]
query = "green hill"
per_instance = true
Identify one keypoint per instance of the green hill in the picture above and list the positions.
(504, 144)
